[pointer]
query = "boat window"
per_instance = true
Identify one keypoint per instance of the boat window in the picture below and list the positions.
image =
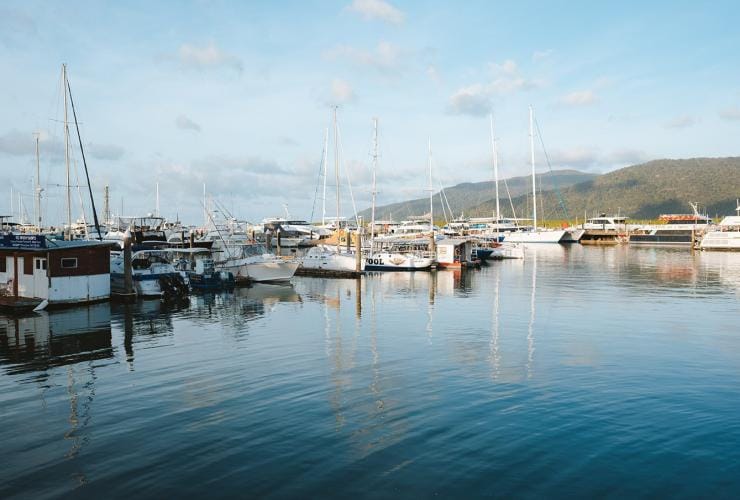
(69, 263)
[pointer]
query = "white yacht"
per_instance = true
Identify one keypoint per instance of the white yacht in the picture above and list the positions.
(726, 236)
(606, 223)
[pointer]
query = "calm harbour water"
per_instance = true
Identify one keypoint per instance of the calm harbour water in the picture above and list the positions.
(580, 371)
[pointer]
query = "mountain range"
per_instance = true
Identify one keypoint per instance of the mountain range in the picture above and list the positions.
(642, 191)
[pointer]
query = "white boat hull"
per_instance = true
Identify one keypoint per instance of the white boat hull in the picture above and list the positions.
(721, 240)
(267, 270)
(391, 261)
(511, 251)
(573, 235)
(546, 236)
(328, 260)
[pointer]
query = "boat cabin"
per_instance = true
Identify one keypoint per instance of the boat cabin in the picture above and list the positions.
(606, 223)
(34, 268)
(454, 253)
(692, 219)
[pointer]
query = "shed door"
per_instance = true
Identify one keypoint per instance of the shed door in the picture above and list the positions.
(40, 278)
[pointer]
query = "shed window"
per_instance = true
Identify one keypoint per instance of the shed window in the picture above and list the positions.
(69, 263)
(2, 264)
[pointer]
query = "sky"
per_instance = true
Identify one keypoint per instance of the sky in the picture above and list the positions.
(239, 95)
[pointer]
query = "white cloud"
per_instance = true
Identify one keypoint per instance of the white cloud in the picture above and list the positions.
(731, 113)
(680, 122)
(579, 98)
(184, 123)
(341, 91)
(587, 158)
(540, 55)
(17, 143)
(105, 151)
(376, 10)
(627, 156)
(208, 56)
(386, 57)
(473, 100)
(433, 73)
(508, 67)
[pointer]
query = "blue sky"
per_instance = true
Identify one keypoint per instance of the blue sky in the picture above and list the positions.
(238, 94)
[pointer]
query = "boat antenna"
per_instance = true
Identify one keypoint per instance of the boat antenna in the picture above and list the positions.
(84, 162)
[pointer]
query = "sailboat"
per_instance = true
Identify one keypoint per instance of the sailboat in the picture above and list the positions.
(395, 254)
(506, 249)
(326, 257)
(535, 234)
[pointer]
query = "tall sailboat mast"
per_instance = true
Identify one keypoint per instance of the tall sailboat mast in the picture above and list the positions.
(205, 208)
(534, 178)
(66, 149)
(326, 167)
(336, 163)
(431, 191)
(37, 190)
(495, 177)
(156, 206)
(375, 166)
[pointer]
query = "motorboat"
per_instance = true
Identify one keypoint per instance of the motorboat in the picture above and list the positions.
(253, 262)
(153, 274)
(198, 269)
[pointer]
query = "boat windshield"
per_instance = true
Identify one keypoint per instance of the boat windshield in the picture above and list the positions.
(253, 250)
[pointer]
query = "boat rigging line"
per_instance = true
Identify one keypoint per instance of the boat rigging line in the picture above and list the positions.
(84, 162)
(561, 201)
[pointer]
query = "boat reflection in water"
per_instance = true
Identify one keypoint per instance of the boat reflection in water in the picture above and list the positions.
(55, 338)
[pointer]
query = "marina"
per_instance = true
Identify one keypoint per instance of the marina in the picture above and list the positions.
(369, 249)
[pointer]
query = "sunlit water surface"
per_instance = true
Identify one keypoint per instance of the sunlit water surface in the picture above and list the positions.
(579, 371)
